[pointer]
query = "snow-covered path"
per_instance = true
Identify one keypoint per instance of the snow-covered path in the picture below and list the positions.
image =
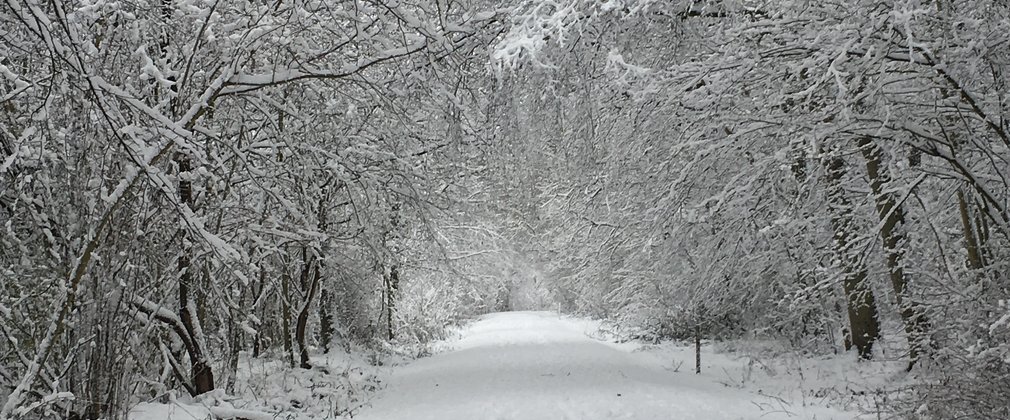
(538, 365)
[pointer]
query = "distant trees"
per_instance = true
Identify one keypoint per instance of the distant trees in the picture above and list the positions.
(784, 168)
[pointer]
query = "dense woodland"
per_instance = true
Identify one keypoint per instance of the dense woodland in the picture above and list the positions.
(187, 182)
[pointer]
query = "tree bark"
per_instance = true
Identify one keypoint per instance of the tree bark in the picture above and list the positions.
(286, 318)
(201, 373)
(310, 269)
(971, 243)
(312, 273)
(258, 287)
(235, 344)
(392, 285)
(860, 301)
(892, 217)
(325, 320)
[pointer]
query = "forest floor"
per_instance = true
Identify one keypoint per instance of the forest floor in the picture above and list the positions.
(541, 365)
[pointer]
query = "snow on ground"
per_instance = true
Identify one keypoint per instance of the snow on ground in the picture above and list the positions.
(267, 389)
(337, 385)
(540, 365)
(772, 369)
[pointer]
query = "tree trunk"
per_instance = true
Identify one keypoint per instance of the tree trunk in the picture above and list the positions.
(258, 288)
(892, 217)
(286, 318)
(202, 375)
(325, 320)
(392, 285)
(861, 304)
(697, 349)
(971, 243)
(311, 272)
(235, 344)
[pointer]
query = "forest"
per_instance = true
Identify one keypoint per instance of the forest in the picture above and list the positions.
(189, 184)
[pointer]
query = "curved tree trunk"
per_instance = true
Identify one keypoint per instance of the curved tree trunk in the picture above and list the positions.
(311, 269)
(312, 273)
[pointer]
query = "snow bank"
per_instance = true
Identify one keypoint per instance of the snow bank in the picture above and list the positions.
(266, 389)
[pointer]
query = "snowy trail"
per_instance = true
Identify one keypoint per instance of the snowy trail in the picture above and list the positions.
(538, 365)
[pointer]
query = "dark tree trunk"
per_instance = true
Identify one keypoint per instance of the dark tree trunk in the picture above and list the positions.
(392, 285)
(258, 289)
(860, 303)
(311, 273)
(971, 242)
(202, 375)
(892, 217)
(325, 320)
(286, 318)
(311, 279)
(235, 344)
